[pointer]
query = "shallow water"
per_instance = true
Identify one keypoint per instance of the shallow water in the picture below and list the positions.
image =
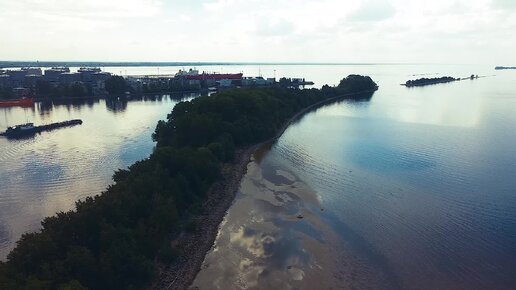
(275, 237)
(417, 185)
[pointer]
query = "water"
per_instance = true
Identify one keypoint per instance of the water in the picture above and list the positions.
(414, 189)
(46, 174)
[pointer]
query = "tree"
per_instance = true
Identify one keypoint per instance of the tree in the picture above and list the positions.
(78, 89)
(116, 85)
(6, 93)
(43, 88)
(73, 285)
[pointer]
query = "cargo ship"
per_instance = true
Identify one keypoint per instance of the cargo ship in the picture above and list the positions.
(214, 76)
(29, 128)
(23, 102)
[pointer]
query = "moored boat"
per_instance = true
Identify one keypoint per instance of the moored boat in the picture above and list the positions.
(23, 102)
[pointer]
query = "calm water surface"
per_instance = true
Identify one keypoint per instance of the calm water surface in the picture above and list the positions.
(416, 189)
(47, 173)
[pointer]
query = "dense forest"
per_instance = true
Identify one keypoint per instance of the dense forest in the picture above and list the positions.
(116, 240)
(73, 90)
(6, 93)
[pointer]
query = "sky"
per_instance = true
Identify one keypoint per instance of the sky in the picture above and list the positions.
(320, 31)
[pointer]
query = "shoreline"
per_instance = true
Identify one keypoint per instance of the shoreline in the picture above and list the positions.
(220, 196)
(108, 97)
(182, 273)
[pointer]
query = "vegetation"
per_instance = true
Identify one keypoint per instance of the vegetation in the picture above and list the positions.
(181, 85)
(292, 83)
(6, 93)
(42, 88)
(46, 89)
(116, 239)
(63, 90)
(172, 85)
(116, 85)
(431, 81)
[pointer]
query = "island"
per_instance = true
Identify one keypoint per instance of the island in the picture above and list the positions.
(152, 228)
(504, 67)
(429, 81)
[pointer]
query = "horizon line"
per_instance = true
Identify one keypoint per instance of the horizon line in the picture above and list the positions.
(37, 63)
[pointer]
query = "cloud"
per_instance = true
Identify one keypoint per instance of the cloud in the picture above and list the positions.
(259, 30)
(504, 4)
(274, 28)
(84, 9)
(185, 18)
(373, 10)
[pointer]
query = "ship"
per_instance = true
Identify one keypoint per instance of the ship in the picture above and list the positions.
(22, 129)
(194, 74)
(214, 76)
(29, 128)
(23, 102)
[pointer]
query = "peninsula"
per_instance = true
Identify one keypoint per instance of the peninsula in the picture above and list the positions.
(153, 226)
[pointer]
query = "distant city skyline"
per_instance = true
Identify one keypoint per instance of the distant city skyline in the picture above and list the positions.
(265, 31)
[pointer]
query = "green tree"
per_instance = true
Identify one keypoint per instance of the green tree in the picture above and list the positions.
(43, 88)
(116, 85)
(78, 89)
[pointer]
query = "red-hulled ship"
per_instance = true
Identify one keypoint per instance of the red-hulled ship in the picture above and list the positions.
(23, 102)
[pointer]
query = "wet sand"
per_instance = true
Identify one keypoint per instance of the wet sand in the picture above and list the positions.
(275, 237)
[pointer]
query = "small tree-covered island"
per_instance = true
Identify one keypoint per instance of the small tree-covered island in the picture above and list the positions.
(429, 81)
(161, 214)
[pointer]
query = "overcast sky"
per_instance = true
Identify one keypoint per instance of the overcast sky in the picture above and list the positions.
(401, 31)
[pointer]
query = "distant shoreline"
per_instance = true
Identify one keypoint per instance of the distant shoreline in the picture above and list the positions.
(107, 97)
(15, 64)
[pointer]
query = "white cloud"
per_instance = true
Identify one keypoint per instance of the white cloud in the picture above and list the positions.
(463, 31)
(87, 9)
(185, 18)
(373, 10)
(504, 4)
(279, 27)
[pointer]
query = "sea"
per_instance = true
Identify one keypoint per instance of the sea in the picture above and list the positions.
(412, 189)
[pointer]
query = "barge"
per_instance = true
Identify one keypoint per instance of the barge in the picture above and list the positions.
(29, 128)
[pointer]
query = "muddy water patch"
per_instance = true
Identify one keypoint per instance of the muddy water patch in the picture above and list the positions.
(274, 237)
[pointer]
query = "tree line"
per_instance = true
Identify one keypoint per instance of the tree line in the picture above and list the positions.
(117, 239)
